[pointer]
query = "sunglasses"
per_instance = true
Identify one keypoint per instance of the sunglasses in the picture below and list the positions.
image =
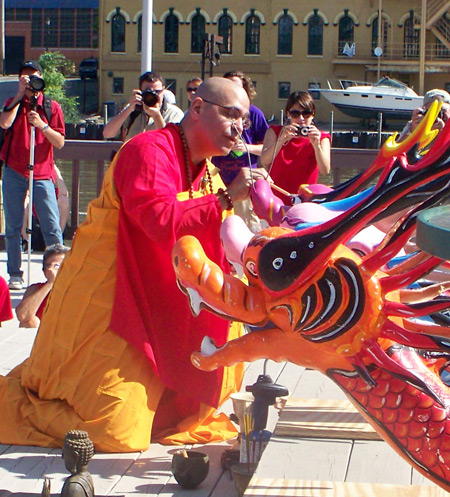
(297, 113)
(190, 89)
(233, 114)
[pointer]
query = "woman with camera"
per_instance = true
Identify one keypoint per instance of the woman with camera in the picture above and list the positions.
(146, 110)
(295, 154)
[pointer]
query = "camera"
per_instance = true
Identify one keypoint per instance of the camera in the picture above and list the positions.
(36, 83)
(302, 130)
(150, 98)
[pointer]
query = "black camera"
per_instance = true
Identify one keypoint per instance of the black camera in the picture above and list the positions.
(302, 130)
(150, 98)
(36, 83)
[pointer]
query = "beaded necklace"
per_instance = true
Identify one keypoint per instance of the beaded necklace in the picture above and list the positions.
(208, 178)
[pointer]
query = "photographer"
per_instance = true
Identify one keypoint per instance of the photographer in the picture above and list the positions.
(29, 108)
(146, 110)
(417, 115)
(295, 154)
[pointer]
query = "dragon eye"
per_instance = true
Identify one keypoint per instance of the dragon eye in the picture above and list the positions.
(277, 263)
(293, 255)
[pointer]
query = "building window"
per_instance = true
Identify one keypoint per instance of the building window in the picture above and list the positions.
(285, 34)
(384, 34)
(139, 38)
(284, 89)
(85, 27)
(117, 86)
(51, 28)
(312, 88)
(118, 32)
(346, 31)
(252, 34)
(171, 84)
(171, 33)
(226, 32)
(315, 34)
(197, 33)
(411, 37)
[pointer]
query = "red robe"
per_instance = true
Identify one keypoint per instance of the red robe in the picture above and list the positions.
(149, 309)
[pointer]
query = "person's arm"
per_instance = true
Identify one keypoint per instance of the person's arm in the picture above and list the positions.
(9, 112)
(28, 307)
(113, 126)
(53, 136)
(155, 114)
(322, 150)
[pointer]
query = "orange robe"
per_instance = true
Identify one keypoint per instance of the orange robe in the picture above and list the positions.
(82, 375)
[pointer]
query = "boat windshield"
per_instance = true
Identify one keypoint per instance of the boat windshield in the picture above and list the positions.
(393, 83)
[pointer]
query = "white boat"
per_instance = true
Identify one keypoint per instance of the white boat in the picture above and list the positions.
(389, 96)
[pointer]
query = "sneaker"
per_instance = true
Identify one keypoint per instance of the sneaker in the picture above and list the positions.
(15, 283)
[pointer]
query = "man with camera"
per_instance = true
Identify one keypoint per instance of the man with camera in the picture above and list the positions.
(29, 108)
(146, 110)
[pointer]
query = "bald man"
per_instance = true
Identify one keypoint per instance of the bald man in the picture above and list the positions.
(112, 355)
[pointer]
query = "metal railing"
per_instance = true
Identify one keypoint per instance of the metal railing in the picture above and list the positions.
(394, 52)
(94, 156)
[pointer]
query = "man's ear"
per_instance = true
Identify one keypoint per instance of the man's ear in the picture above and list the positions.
(195, 107)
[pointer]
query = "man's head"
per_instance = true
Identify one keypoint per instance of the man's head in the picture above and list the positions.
(78, 450)
(53, 257)
(241, 79)
(216, 117)
(191, 87)
(153, 82)
(33, 71)
(440, 96)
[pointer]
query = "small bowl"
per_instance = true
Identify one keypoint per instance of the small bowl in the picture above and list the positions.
(190, 467)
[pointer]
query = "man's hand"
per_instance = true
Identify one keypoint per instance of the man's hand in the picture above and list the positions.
(240, 187)
(35, 119)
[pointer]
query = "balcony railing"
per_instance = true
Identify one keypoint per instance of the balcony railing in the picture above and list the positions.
(393, 52)
(83, 164)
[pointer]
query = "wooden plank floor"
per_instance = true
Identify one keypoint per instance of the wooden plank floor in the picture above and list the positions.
(23, 469)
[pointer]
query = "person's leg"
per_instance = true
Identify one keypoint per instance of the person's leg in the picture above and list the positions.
(14, 187)
(46, 205)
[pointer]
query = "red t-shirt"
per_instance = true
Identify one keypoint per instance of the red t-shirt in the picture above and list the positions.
(5, 301)
(19, 150)
(295, 164)
(149, 309)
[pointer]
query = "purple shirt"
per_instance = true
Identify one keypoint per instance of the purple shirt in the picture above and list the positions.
(230, 165)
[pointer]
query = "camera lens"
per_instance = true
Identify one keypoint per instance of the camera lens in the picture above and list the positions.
(150, 98)
(304, 130)
(37, 83)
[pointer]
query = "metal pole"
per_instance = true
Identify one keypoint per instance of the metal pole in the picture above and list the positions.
(147, 34)
(30, 199)
(422, 55)
(380, 10)
(2, 36)
(331, 126)
(380, 125)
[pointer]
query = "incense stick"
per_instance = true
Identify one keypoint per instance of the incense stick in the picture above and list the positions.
(278, 189)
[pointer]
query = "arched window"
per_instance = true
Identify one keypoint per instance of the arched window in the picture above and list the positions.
(285, 34)
(315, 34)
(384, 34)
(197, 33)
(225, 26)
(118, 32)
(252, 34)
(346, 31)
(139, 40)
(171, 33)
(411, 38)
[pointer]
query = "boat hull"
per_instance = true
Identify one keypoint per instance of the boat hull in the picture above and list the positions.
(368, 106)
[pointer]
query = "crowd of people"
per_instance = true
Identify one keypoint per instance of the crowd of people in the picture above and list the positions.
(113, 350)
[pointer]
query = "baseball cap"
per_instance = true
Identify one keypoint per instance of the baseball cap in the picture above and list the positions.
(436, 94)
(30, 64)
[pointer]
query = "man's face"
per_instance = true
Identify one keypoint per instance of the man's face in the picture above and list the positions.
(156, 86)
(223, 124)
(53, 263)
(29, 71)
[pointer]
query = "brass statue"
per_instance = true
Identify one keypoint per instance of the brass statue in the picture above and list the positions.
(78, 450)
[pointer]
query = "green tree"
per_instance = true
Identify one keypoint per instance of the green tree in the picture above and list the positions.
(54, 66)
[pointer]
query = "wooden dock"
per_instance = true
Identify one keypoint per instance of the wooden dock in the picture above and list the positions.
(300, 460)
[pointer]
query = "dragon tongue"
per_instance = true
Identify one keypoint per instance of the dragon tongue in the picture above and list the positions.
(208, 347)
